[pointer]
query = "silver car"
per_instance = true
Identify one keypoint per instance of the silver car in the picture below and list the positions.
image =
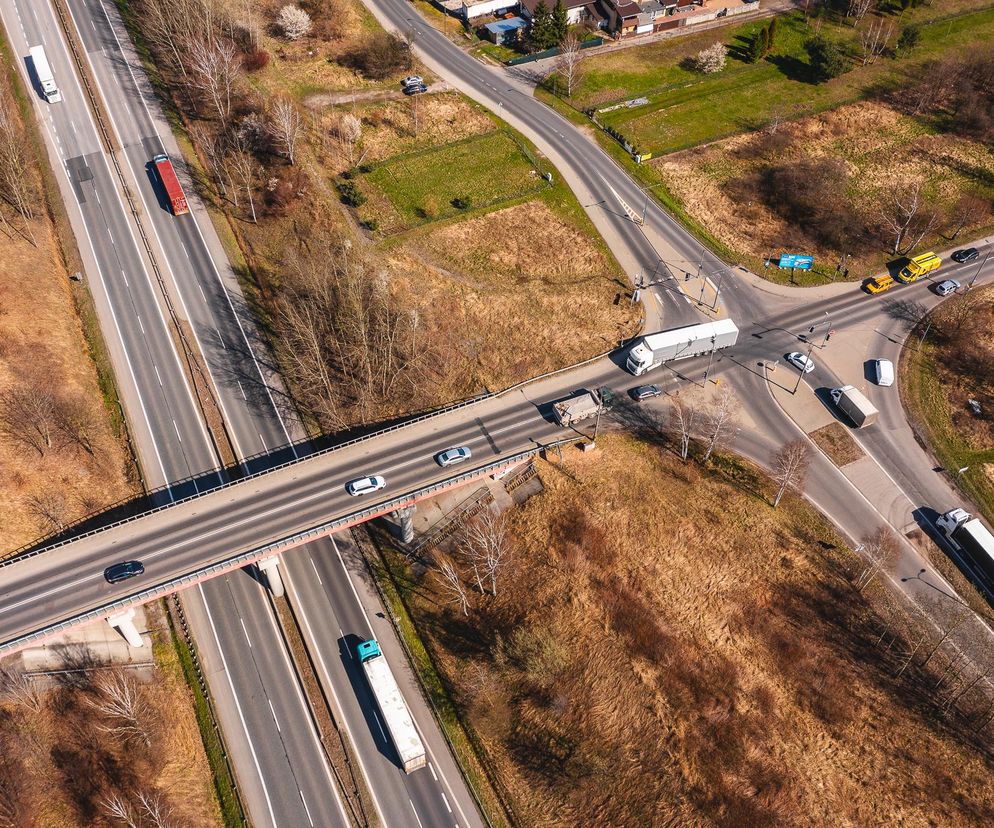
(365, 485)
(947, 287)
(451, 456)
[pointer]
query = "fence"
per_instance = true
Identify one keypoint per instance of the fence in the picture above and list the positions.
(587, 44)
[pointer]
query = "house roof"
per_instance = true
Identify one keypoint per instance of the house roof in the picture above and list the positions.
(628, 9)
(567, 4)
(508, 25)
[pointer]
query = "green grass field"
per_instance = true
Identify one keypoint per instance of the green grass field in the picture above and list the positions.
(686, 109)
(486, 170)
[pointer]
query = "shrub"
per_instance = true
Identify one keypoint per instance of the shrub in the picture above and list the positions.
(712, 59)
(351, 194)
(371, 224)
(293, 22)
(910, 35)
(828, 58)
(380, 57)
(255, 60)
(462, 202)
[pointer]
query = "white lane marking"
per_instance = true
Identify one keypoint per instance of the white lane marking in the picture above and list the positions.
(125, 277)
(263, 441)
(431, 767)
(241, 389)
(140, 325)
(111, 235)
(446, 801)
(245, 630)
(176, 428)
(383, 733)
(238, 707)
(73, 125)
(202, 293)
(96, 195)
(306, 809)
(317, 574)
(273, 711)
(220, 339)
(156, 369)
(416, 813)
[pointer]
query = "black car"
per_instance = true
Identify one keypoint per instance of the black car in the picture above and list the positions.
(415, 89)
(645, 392)
(967, 255)
(122, 571)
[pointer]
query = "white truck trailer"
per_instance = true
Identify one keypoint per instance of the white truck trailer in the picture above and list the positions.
(971, 536)
(854, 404)
(44, 74)
(392, 706)
(652, 350)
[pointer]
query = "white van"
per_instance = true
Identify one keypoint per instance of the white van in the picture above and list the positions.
(885, 371)
(43, 72)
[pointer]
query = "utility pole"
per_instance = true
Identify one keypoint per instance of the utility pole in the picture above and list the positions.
(700, 266)
(801, 373)
(717, 290)
(710, 359)
(979, 268)
(828, 330)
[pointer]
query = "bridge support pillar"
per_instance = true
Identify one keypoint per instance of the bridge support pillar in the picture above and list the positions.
(269, 567)
(401, 523)
(124, 623)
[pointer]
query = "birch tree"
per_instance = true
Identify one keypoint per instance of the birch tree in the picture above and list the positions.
(216, 69)
(874, 39)
(905, 216)
(790, 466)
(451, 585)
(684, 421)
(350, 134)
(121, 701)
(16, 185)
(488, 547)
(17, 686)
(286, 126)
(568, 62)
(719, 419)
(879, 550)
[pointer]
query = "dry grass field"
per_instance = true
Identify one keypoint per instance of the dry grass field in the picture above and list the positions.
(880, 150)
(666, 649)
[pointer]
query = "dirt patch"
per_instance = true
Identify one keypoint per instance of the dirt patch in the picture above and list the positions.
(835, 440)
(879, 148)
(666, 649)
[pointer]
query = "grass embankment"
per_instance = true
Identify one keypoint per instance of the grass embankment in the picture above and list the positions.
(686, 109)
(665, 648)
(939, 376)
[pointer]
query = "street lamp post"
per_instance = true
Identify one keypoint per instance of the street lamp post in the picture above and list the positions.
(710, 359)
(801, 373)
(979, 268)
(828, 330)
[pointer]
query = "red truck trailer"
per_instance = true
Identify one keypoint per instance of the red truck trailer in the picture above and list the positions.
(167, 175)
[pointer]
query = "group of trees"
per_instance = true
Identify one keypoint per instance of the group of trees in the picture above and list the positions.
(482, 551)
(379, 57)
(106, 753)
(18, 187)
(548, 28)
(762, 42)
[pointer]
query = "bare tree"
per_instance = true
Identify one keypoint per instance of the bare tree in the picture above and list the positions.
(684, 420)
(349, 131)
(719, 418)
(155, 809)
(20, 688)
(216, 69)
(879, 550)
(242, 166)
(122, 701)
(293, 21)
(858, 9)
(955, 621)
(568, 62)
(450, 581)
(286, 126)
(904, 215)
(27, 416)
(214, 145)
(16, 185)
(970, 209)
(790, 466)
(488, 546)
(76, 423)
(874, 39)
(52, 509)
(118, 808)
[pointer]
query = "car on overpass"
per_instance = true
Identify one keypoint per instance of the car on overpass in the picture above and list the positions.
(122, 571)
(365, 485)
(451, 456)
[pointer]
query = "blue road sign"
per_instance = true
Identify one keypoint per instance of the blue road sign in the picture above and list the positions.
(795, 260)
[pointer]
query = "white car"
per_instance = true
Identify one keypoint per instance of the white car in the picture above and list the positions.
(947, 287)
(803, 363)
(365, 485)
(413, 80)
(884, 370)
(451, 456)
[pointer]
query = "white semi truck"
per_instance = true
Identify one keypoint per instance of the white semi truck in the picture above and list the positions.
(652, 350)
(971, 536)
(392, 706)
(44, 74)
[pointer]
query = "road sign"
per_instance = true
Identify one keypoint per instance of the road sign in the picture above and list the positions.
(796, 260)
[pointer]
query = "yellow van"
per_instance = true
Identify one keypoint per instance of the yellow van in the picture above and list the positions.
(879, 284)
(918, 267)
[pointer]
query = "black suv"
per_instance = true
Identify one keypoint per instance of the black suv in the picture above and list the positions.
(968, 255)
(122, 571)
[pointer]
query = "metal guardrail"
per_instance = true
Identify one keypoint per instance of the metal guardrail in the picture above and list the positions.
(270, 549)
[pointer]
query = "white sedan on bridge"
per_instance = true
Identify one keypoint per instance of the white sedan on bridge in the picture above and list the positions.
(365, 485)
